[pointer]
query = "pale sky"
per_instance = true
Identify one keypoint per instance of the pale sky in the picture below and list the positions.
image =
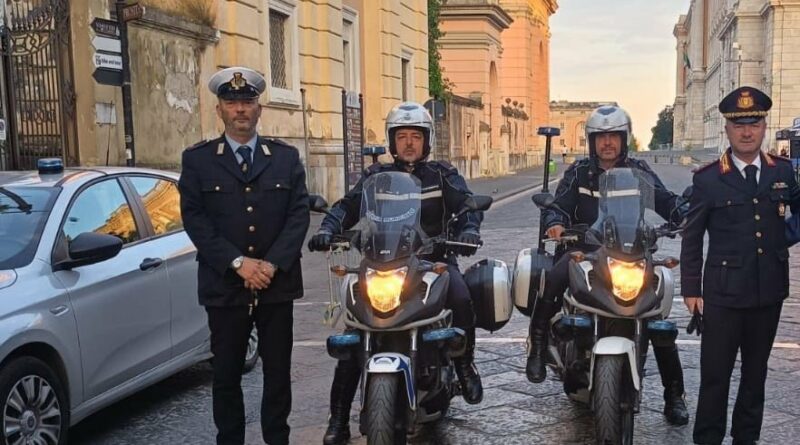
(616, 50)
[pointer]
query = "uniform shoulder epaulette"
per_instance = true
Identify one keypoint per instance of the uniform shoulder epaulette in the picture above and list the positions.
(197, 145)
(781, 158)
(577, 164)
(277, 142)
(705, 166)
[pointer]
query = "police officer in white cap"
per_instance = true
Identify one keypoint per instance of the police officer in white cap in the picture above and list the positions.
(245, 207)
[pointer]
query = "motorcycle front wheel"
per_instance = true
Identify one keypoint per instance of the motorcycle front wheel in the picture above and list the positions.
(383, 411)
(612, 400)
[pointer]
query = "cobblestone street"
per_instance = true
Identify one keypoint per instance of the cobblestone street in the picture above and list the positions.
(513, 411)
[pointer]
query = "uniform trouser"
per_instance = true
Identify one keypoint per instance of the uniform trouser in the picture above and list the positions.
(727, 331)
(230, 331)
(458, 300)
(557, 282)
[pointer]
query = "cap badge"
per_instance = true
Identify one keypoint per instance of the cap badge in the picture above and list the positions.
(238, 81)
(745, 101)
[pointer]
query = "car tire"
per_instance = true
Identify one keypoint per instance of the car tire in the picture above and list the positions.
(251, 358)
(34, 403)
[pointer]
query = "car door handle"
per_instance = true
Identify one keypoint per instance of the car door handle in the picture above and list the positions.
(150, 263)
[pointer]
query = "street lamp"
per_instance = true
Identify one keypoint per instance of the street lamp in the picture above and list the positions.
(738, 48)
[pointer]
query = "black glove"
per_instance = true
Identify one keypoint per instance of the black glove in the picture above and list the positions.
(320, 242)
(468, 238)
(696, 323)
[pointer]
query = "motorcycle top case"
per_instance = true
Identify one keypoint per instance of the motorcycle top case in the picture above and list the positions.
(490, 287)
(528, 271)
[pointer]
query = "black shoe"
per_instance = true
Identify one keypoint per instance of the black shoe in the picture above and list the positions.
(535, 368)
(675, 404)
(343, 390)
(468, 377)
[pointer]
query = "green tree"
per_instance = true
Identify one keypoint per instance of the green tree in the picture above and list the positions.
(438, 85)
(634, 145)
(662, 132)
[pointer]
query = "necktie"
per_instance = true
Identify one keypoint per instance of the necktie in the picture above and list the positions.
(245, 152)
(750, 176)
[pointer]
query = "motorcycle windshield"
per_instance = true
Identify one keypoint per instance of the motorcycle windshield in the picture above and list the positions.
(390, 216)
(625, 195)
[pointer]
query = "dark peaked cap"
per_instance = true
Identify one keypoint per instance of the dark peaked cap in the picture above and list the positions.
(745, 105)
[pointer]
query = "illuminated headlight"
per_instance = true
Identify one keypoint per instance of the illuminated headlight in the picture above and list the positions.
(384, 288)
(627, 279)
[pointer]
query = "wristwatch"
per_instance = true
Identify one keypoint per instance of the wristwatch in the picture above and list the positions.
(237, 262)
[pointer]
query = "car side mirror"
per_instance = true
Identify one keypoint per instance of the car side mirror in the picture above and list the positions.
(90, 248)
(317, 203)
(478, 203)
(543, 200)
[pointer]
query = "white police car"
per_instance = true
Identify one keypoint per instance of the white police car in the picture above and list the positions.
(98, 294)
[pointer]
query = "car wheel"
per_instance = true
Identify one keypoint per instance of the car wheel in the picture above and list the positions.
(251, 358)
(34, 404)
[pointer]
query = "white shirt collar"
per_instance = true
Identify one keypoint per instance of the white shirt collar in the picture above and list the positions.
(740, 165)
(235, 146)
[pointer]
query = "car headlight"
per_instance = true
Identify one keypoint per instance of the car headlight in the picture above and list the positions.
(384, 288)
(627, 278)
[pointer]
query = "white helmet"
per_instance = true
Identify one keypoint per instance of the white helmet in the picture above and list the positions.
(609, 119)
(410, 115)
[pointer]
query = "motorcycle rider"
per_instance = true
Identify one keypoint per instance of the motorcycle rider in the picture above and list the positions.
(608, 132)
(410, 135)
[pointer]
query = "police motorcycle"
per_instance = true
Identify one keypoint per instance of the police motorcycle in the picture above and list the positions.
(399, 328)
(619, 296)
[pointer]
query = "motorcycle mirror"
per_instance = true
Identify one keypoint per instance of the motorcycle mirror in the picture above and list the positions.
(478, 202)
(317, 203)
(543, 200)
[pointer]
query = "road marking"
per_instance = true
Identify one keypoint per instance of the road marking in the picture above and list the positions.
(508, 340)
(516, 196)
(680, 300)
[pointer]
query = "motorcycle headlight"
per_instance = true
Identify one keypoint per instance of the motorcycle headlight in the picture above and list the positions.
(384, 288)
(627, 278)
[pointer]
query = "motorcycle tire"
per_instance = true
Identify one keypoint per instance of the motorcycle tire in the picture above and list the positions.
(612, 401)
(382, 411)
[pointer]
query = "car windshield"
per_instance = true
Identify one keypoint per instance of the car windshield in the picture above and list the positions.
(23, 213)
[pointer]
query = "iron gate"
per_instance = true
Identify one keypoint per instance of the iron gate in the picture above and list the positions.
(35, 83)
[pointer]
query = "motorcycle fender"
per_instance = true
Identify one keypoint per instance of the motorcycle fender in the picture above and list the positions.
(389, 363)
(616, 346)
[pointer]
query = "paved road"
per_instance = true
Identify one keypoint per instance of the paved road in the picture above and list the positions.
(514, 411)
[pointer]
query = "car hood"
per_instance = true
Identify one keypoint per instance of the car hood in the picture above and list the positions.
(7, 278)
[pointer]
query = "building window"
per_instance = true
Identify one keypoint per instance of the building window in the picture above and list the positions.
(284, 56)
(562, 143)
(405, 63)
(561, 125)
(407, 74)
(583, 142)
(350, 47)
(277, 47)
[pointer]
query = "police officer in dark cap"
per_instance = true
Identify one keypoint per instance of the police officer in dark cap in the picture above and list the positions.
(740, 200)
(245, 207)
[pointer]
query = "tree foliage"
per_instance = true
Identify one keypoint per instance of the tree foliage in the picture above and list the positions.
(438, 85)
(662, 132)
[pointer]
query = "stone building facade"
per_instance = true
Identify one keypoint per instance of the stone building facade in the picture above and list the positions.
(570, 119)
(497, 52)
(724, 44)
(309, 52)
